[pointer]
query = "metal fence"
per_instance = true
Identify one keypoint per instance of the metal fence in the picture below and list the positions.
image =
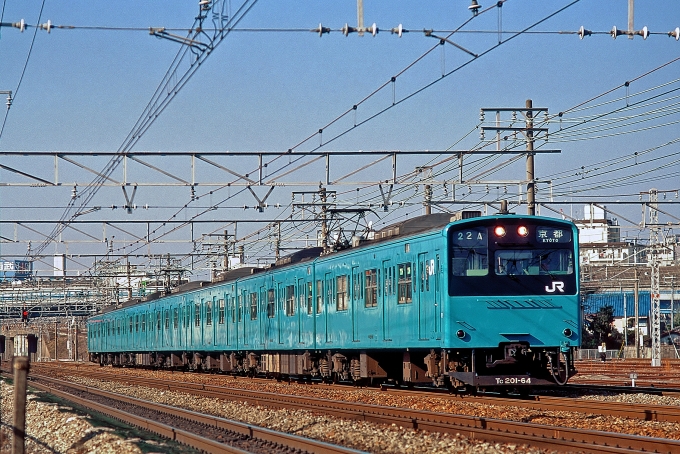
(667, 352)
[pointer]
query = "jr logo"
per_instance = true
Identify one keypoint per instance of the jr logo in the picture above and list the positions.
(556, 285)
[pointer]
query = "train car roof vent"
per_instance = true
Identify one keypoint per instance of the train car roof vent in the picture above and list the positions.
(466, 214)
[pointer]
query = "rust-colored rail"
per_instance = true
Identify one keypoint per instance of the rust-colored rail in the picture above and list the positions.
(644, 412)
(537, 435)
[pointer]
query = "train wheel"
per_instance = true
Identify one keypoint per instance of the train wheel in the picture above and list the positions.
(558, 368)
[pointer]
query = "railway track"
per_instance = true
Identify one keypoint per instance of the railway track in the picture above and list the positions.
(492, 430)
(204, 432)
(618, 372)
(644, 412)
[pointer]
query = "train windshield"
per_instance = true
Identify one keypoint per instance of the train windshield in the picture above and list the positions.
(534, 262)
(515, 258)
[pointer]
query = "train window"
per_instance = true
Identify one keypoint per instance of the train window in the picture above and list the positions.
(319, 296)
(407, 248)
(271, 304)
(232, 307)
(534, 262)
(158, 320)
(388, 281)
(371, 299)
(302, 295)
(137, 323)
(144, 322)
(208, 313)
(310, 298)
(131, 323)
(355, 285)
(240, 307)
(341, 289)
(404, 283)
(290, 300)
(197, 314)
(469, 252)
(167, 319)
(175, 318)
(253, 306)
(220, 316)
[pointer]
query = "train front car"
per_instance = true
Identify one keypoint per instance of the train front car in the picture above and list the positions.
(513, 292)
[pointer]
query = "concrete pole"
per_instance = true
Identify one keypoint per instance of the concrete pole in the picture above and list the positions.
(531, 194)
(428, 199)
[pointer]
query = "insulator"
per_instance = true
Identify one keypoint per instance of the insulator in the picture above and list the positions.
(675, 33)
(46, 26)
(474, 7)
(399, 30)
(644, 32)
(21, 25)
(346, 30)
(583, 32)
(481, 116)
(321, 30)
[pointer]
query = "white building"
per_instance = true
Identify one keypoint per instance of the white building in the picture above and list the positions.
(600, 239)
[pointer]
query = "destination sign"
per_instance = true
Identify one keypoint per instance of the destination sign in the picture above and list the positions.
(553, 235)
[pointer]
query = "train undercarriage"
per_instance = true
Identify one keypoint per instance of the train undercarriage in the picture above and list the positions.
(511, 365)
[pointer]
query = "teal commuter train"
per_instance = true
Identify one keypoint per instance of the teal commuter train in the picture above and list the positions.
(479, 301)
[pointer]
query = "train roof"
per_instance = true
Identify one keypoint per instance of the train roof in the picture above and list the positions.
(414, 225)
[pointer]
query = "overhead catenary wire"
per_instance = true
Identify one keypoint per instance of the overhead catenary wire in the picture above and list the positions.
(480, 161)
(23, 71)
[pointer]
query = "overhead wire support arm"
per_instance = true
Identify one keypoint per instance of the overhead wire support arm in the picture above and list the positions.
(161, 33)
(171, 84)
(446, 40)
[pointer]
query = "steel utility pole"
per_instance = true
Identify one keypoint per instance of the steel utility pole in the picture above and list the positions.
(655, 290)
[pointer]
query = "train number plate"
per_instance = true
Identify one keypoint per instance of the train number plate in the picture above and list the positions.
(513, 380)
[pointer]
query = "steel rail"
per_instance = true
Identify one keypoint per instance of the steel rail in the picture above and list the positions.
(197, 441)
(536, 435)
(661, 413)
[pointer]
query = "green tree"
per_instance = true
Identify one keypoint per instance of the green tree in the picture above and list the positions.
(599, 329)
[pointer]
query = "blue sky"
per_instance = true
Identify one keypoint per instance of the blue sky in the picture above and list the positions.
(84, 89)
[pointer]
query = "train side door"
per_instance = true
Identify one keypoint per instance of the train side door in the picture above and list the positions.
(301, 318)
(356, 301)
(438, 307)
(231, 319)
(241, 320)
(262, 315)
(426, 303)
(328, 299)
(388, 297)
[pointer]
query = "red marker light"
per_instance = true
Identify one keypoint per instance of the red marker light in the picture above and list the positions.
(499, 231)
(522, 230)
